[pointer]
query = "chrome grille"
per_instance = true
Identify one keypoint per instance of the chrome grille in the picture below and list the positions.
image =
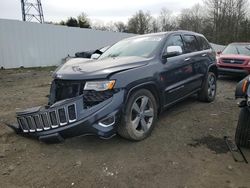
(47, 120)
(233, 61)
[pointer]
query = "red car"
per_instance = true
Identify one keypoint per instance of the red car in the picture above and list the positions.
(234, 60)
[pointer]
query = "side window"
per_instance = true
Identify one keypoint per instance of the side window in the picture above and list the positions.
(175, 40)
(204, 45)
(191, 44)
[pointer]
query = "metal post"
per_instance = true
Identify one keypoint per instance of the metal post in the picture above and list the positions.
(32, 10)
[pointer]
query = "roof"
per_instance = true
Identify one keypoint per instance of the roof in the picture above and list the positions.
(241, 43)
(166, 33)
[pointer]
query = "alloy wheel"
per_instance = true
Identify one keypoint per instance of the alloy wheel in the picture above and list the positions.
(142, 114)
(211, 86)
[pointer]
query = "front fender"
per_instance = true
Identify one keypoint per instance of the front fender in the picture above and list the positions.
(153, 87)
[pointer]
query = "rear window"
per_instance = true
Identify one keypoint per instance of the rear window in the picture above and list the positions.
(204, 45)
(191, 44)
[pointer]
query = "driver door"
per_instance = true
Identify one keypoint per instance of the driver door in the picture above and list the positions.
(177, 71)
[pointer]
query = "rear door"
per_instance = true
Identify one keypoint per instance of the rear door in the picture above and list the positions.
(197, 59)
(208, 55)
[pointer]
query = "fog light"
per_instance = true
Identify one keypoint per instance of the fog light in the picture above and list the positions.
(109, 121)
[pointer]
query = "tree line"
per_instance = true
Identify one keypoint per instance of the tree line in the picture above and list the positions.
(221, 21)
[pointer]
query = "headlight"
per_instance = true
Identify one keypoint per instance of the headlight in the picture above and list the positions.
(99, 85)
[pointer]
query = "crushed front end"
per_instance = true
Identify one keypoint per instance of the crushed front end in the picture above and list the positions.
(73, 110)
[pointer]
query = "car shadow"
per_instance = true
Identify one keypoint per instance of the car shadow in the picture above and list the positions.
(235, 79)
(91, 142)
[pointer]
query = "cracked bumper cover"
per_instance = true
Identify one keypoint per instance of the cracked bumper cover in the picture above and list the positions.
(77, 121)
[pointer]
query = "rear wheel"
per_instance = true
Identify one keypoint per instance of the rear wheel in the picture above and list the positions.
(242, 135)
(139, 117)
(208, 92)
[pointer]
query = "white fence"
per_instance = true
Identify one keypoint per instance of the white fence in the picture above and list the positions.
(32, 44)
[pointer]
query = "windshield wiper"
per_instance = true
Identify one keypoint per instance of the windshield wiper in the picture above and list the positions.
(114, 55)
(237, 50)
(248, 47)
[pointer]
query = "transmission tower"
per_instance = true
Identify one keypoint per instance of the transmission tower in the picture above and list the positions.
(32, 10)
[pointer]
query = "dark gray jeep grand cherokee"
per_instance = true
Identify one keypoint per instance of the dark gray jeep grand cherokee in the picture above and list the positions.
(125, 89)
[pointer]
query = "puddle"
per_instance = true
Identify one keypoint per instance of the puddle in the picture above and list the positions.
(215, 144)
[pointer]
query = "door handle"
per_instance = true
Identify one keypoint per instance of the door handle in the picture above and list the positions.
(187, 59)
(203, 55)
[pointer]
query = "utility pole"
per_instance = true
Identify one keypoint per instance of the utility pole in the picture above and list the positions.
(32, 11)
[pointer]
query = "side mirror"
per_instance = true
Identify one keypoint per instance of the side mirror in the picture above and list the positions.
(172, 51)
(95, 56)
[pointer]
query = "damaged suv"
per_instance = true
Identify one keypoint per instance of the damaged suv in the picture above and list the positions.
(125, 89)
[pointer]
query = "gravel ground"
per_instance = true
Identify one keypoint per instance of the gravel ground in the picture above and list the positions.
(186, 148)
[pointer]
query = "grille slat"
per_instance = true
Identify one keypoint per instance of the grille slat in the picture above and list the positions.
(23, 123)
(38, 123)
(53, 119)
(31, 124)
(62, 116)
(72, 113)
(45, 121)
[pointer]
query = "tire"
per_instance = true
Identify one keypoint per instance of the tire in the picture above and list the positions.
(208, 92)
(242, 134)
(139, 116)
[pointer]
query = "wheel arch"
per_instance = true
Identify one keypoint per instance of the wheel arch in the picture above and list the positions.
(152, 87)
(213, 68)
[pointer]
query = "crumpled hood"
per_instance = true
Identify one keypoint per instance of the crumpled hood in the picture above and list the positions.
(80, 68)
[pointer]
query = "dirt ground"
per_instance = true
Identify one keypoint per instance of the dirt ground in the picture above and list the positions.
(186, 148)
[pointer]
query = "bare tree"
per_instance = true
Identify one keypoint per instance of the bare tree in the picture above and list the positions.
(166, 20)
(227, 16)
(140, 23)
(120, 27)
(110, 26)
(154, 26)
(221, 21)
(192, 19)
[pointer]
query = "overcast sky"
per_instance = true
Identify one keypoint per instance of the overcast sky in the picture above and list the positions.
(97, 10)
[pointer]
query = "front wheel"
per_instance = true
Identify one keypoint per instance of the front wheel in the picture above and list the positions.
(242, 135)
(208, 92)
(139, 116)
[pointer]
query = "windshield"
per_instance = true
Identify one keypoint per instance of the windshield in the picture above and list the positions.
(141, 46)
(242, 49)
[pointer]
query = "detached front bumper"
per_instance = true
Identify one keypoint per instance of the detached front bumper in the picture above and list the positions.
(70, 118)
